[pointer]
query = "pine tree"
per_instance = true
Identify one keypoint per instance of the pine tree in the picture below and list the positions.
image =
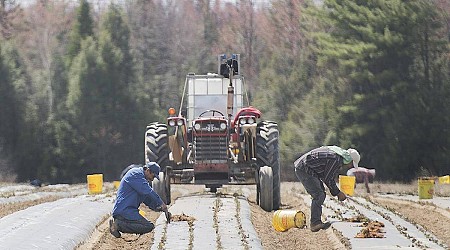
(82, 28)
(372, 47)
(100, 102)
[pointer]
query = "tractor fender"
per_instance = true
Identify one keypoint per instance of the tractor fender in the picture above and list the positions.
(247, 111)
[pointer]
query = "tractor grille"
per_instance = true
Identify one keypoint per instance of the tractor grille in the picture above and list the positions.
(211, 148)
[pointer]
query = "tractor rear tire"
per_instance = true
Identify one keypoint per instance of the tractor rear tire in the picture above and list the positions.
(267, 154)
(266, 193)
(156, 144)
(160, 187)
(157, 150)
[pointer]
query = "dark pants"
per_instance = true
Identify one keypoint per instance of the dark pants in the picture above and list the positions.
(141, 226)
(315, 188)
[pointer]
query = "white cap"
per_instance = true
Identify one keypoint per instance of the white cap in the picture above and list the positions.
(355, 156)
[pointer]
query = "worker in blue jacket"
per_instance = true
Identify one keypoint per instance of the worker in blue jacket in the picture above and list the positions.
(135, 189)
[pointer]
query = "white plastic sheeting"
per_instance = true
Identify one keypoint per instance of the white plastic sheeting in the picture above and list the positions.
(61, 224)
(442, 202)
(412, 238)
(216, 225)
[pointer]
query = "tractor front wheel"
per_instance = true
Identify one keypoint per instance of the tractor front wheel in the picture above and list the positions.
(266, 185)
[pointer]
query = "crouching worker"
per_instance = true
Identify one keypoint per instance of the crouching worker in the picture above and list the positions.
(319, 166)
(134, 189)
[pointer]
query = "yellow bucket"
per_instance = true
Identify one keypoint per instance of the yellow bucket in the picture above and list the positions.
(116, 184)
(426, 188)
(284, 219)
(444, 179)
(95, 183)
(347, 184)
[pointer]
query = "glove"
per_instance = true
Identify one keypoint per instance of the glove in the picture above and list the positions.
(341, 196)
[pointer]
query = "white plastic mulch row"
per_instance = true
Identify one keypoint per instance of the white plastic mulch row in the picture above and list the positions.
(216, 225)
(411, 238)
(442, 202)
(22, 193)
(7, 188)
(61, 224)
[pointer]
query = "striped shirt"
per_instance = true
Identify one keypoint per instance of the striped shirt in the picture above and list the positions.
(322, 163)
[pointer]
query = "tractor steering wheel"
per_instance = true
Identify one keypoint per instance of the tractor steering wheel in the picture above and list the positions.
(213, 111)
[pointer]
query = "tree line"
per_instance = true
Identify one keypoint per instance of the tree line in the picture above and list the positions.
(79, 82)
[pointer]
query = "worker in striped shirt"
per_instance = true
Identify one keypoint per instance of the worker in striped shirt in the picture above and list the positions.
(321, 166)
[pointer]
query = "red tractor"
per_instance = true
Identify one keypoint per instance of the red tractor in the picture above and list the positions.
(215, 140)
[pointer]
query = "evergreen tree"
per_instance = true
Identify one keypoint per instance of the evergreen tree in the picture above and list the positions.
(374, 46)
(124, 144)
(82, 28)
(99, 100)
(21, 139)
(289, 90)
(8, 107)
(83, 107)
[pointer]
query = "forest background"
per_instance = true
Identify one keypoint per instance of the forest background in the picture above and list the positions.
(80, 80)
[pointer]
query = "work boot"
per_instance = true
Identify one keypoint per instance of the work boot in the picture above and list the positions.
(317, 227)
(113, 229)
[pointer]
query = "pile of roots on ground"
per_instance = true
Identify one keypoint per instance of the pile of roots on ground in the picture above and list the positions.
(183, 217)
(370, 229)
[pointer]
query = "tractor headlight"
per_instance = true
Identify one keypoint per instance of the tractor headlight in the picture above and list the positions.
(223, 126)
(197, 126)
(242, 121)
(251, 120)
(180, 122)
(171, 123)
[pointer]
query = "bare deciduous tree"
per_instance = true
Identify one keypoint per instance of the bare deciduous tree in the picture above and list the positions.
(9, 10)
(43, 29)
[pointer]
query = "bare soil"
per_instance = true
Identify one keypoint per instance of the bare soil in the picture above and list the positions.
(433, 219)
(294, 238)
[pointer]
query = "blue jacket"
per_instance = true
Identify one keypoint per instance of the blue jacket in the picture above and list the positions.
(134, 189)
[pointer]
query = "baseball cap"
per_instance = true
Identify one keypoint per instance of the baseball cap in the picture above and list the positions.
(154, 168)
(355, 156)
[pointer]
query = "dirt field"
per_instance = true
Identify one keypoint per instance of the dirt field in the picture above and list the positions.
(434, 219)
(261, 220)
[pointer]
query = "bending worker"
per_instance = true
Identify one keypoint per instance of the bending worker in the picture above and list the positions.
(134, 189)
(362, 175)
(319, 166)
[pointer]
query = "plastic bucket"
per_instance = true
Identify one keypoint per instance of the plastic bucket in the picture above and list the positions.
(444, 179)
(116, 184)
(284, 219)
(347, 184)
(426, 188)
(95, 183)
